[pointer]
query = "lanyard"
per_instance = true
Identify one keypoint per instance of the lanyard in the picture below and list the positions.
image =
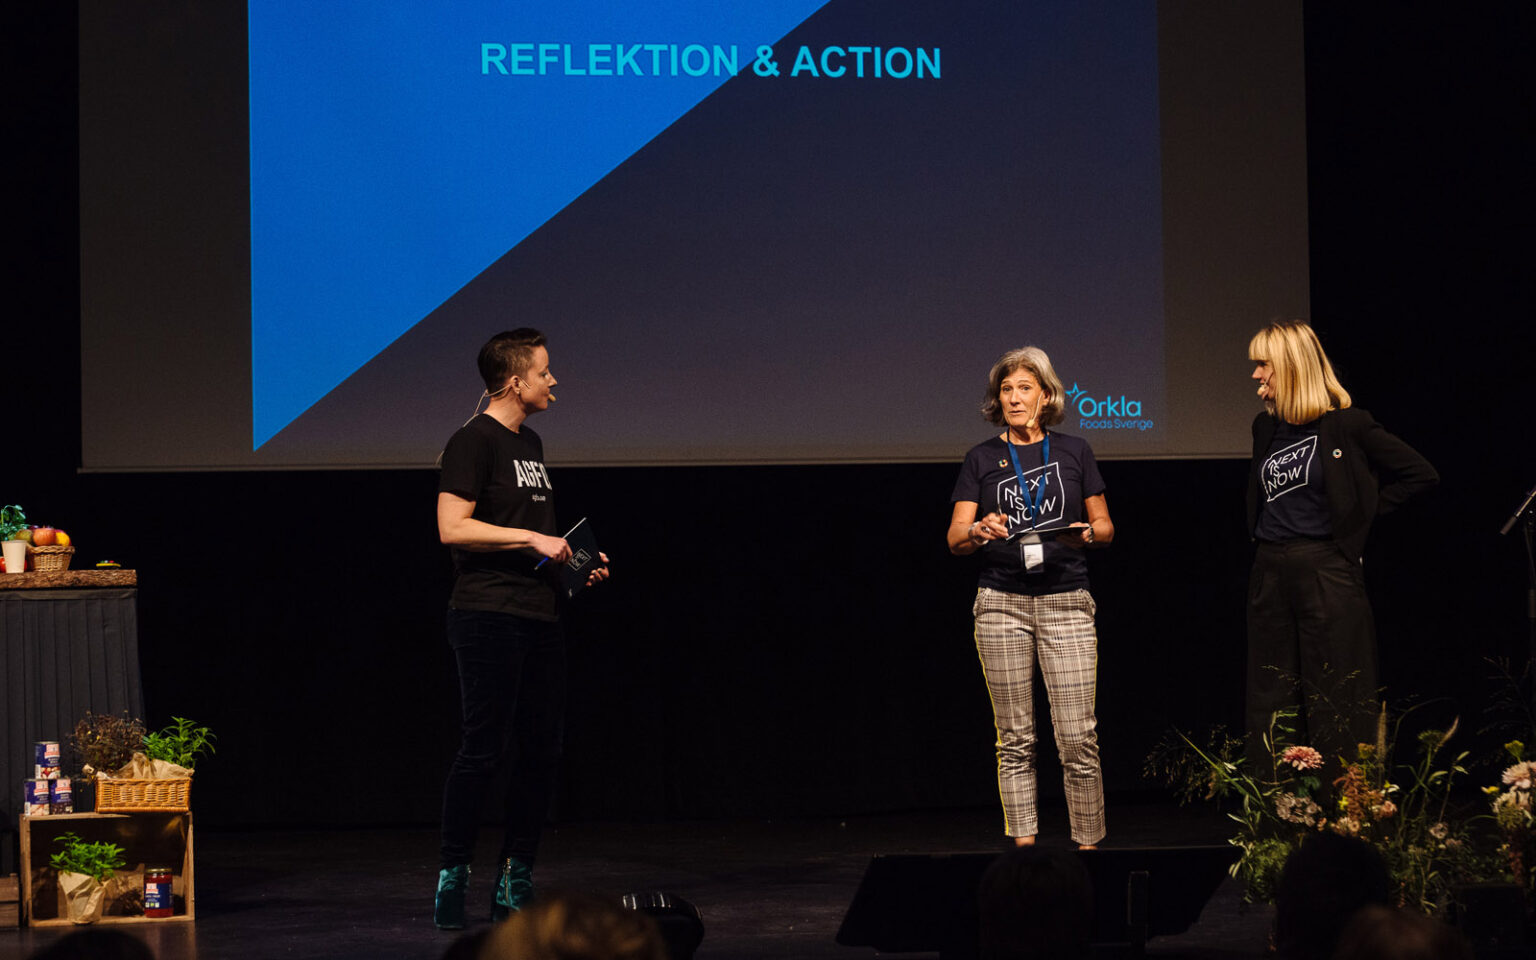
(1035, 501)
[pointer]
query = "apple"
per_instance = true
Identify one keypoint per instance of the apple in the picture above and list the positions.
(25, 534)
(44, 537)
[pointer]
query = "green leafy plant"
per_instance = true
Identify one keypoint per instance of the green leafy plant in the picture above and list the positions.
(181, 743)
(104, 742)
(98, 860)
(12, 519)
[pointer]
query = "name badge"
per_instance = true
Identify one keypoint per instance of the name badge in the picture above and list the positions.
(1033, 552)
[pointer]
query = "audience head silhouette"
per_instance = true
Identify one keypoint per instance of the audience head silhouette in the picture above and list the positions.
(1325, 881)
(575, 927)
(1035, 904)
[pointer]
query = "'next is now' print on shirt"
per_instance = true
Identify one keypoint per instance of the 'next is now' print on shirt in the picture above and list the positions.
(1044, 489)
(1288, 468)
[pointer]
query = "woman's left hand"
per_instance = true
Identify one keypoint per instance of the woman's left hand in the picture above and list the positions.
(1083, 538)
(599, 572)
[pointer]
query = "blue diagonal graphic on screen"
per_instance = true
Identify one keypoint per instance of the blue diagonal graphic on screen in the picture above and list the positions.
(400, 148)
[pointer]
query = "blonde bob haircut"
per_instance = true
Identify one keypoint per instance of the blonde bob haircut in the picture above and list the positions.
(1031, 360)
(1302, 384)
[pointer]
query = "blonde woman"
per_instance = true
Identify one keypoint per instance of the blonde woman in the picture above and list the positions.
(1322, 471)
(1028, 501)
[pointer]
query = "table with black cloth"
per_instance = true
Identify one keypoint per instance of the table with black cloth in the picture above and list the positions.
(69, 644)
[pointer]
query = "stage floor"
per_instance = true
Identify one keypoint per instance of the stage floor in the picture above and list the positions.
(768, 890)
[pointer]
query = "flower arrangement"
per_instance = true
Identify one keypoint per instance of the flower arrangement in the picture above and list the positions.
(1514, 816)
(1404, 812)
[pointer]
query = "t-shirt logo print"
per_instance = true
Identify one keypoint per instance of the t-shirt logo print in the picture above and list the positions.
(1044, 486)
(531, 473)
(1288, 468)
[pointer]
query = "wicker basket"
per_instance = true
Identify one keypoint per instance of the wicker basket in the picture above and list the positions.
(50, 559)
(165, 795)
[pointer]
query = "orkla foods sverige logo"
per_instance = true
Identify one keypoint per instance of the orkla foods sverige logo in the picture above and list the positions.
(1110, 413)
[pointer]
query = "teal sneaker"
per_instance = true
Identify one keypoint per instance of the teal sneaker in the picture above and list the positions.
(514, 888)
(448, 908)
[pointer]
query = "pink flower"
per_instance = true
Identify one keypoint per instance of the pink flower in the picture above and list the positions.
(1303, 758)
(1520, 775)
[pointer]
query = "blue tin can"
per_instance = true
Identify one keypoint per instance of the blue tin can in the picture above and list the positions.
(37, 797)
(45, 756)
(60, 796)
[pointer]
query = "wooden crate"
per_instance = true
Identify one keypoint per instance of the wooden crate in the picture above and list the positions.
(147, 839)
(10, 900)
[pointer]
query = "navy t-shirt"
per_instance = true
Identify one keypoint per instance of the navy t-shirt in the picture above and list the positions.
(1294, 505)
(987, 478)
(502, 471)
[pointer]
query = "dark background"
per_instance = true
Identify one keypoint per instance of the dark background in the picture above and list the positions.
(796, 640)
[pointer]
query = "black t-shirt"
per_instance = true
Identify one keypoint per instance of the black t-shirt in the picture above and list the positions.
(987, 478)
(503, 473)
(1294, 505)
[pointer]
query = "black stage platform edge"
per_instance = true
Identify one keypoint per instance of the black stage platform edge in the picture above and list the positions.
(913, 903)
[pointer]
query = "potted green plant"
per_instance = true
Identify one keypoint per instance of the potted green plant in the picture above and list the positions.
(13, 522)
(84, 869)
(183, 743)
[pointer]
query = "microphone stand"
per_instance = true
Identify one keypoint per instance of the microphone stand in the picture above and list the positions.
(1526, 517)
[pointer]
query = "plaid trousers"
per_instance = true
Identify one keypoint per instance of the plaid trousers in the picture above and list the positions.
(1013, 632)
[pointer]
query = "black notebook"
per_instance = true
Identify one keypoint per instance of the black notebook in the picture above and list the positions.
(574, 572)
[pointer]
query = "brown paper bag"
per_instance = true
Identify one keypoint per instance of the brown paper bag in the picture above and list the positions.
(143, 768)
(84, 896)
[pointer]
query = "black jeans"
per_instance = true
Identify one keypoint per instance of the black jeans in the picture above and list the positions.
(512, 692)
(1311, 645)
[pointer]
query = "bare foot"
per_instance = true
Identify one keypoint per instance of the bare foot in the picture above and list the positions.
(1024, 841)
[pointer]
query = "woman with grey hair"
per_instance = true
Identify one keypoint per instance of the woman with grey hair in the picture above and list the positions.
(1029, 500)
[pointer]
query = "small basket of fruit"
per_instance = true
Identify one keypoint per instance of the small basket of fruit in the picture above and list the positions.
(48, 548)
(52, 557)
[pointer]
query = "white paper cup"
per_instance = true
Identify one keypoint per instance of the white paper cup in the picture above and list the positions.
(15, 555)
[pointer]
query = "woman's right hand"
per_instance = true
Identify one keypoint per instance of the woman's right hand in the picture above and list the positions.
(554, 548)
(993, 526)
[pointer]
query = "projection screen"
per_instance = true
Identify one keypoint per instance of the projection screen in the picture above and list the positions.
(770, 232)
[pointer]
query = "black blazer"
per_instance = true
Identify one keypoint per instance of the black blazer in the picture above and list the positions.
(1367, 472)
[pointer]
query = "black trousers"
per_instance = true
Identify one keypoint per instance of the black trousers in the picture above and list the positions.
(1311, 646)
(512, 675)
